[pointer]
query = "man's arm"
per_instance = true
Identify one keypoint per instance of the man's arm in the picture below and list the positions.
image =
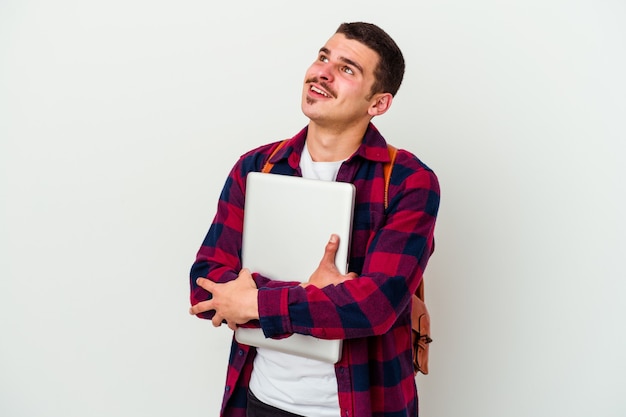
(393, 266)
(236, 301)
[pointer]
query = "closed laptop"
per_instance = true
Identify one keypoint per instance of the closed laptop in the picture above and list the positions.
(287, 223)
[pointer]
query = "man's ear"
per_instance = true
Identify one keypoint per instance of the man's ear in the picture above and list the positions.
(380, 104)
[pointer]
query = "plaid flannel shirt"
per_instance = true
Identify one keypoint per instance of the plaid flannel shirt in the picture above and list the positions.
(389, 251)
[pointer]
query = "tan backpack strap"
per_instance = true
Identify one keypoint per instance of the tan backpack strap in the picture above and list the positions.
(268, 165)
(387, 168)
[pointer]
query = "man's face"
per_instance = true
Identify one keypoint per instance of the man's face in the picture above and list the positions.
(337, 86)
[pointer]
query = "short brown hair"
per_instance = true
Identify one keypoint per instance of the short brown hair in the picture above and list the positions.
(390, 69)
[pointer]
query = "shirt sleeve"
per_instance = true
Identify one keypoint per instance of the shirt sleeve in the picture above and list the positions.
(393, 267)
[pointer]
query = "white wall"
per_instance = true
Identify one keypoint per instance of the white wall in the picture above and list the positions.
(119, 121)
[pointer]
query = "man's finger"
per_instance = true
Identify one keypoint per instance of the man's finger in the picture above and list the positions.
(207, 284)
(330, 251)
(201, 307)
(217, 320)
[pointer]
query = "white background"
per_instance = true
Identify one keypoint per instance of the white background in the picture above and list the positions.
(119, 121)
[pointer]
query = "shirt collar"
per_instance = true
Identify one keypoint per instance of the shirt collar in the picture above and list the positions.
(373, 146)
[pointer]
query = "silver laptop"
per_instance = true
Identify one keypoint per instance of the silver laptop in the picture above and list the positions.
(287, 223)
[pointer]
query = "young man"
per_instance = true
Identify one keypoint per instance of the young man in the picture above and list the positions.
(354, 78)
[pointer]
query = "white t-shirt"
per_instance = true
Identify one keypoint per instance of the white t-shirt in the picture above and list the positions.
(292, 383)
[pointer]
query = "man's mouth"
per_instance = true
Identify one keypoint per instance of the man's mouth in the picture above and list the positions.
(319, 91)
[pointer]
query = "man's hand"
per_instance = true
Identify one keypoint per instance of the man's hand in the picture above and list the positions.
(327, 273)
(234, 301)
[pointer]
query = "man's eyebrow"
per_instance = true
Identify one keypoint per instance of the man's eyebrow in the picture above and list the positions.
(324, 50)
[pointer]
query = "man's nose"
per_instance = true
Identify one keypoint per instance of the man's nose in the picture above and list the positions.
(325, 73)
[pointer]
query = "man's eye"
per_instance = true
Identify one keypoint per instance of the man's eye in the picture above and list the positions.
(348, 70)
(323, 58)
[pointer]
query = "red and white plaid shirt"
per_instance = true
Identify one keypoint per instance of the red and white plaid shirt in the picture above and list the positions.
(389, 251)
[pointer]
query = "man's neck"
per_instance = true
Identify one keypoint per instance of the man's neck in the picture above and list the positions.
(329, 145)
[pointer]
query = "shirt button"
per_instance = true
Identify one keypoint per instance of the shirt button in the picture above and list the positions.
(240, 352)
(227, 388)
